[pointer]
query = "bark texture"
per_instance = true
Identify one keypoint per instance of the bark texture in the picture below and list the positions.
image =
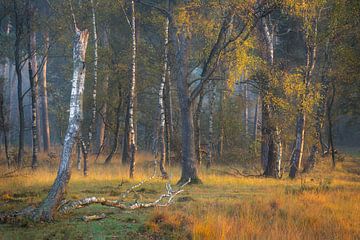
(49, 206)
(132, 143)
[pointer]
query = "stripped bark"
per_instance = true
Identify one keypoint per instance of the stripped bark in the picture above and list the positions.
(49, 206)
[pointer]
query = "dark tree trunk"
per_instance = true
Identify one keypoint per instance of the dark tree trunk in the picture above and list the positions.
(330, 125)
(117, 130)
(49, 206)
(3, 123)
(18, 36)
(187, 126)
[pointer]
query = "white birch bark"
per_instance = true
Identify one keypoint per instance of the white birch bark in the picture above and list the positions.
(162, 107)
(94, 87)
(47, 208)
(132, 142)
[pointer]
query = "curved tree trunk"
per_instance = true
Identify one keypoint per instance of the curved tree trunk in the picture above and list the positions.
(48, 207)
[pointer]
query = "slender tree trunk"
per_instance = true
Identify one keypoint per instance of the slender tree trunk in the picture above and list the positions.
(78, 155)
(32, 62)
(221, 132)
(3, 121)
(125, 143)
(256, 118)
(117, 130)
(168, 99)
(311, 55)
(44, 98)
(211, 123)
(278, 153)
(94, 86)
(49, 206)
(197, 137)
(132, 94)
(299, 145)
(162, 107)
(18, 36)
(330, 125)
(246, 117)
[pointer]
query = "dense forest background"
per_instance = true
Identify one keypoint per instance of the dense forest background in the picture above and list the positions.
(269, 88)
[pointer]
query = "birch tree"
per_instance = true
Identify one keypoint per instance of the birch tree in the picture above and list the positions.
(310, 17)
(49, 206)
(132, 144)
(33, 68)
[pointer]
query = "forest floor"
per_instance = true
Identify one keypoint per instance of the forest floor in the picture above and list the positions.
(322, 205)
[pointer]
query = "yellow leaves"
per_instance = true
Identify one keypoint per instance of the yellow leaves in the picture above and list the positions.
(241, 60)
(294, 84)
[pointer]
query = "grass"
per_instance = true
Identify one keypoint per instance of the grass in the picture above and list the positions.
(322, 205)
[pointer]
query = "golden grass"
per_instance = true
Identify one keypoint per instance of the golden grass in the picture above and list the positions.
(322, 205)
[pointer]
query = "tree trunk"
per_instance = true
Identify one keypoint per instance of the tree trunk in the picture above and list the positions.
(331, 142)
(246, 114)
(187, 126)
(256, 118)
(3, 121)
(311, 55)
(125, 143)
(49, 206)
(18, 68)
(197, 137)
(32, 62)
(211, 123)
(94, 86)
(117, 130)
(162, 107)
(132, 142)
(168, 99)
(296, 156)
(78, 155)
(221, 132)
(44, 98)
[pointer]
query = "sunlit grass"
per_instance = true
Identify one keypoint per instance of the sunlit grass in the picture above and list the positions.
(322, 205)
